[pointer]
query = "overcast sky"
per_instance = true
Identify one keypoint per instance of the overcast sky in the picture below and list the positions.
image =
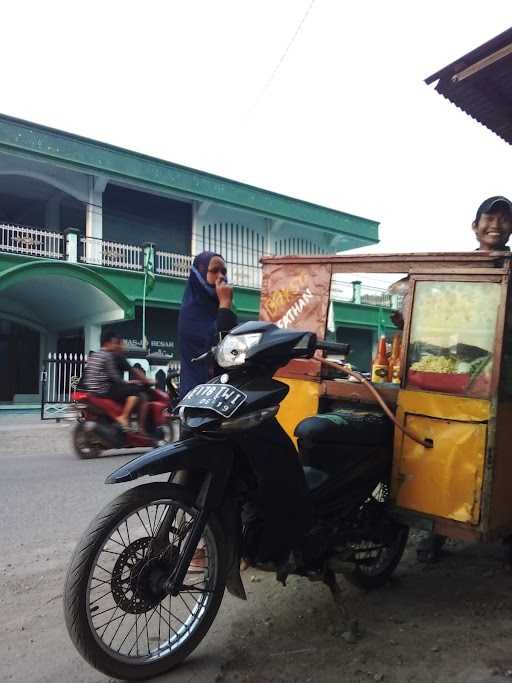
(347, 121)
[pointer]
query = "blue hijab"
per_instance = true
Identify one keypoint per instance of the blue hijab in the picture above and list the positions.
(197, 323)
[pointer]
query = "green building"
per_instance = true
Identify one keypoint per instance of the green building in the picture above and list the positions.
(74, 216)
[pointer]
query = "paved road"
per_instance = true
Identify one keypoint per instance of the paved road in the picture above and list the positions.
(47, 498)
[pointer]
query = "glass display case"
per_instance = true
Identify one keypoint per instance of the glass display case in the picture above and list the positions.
(452, 337)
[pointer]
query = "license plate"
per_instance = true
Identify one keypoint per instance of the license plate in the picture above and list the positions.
(221, 398)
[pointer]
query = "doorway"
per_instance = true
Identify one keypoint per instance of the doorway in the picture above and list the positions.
(19, 360)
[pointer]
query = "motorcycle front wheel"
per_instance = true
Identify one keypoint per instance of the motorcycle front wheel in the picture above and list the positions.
(117, 613)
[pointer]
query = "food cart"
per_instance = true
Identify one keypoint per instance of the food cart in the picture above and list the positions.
(455, 391)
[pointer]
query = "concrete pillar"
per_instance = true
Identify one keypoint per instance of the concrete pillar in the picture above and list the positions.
(356, 291)
(52, 214)
(194, 239)
(94, 221)
(72, 244)
(47, 344)
(92, 338)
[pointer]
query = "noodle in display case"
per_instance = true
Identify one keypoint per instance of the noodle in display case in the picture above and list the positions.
(452, 337)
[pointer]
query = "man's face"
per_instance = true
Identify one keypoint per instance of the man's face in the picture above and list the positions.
(493, 229)
(115, 345)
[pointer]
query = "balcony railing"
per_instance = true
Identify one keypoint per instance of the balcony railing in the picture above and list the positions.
(20, 239)
(173, 265)
(356, 292)
(112, 254)
(35, 242)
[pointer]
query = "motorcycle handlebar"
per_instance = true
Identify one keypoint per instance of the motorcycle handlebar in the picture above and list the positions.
(333, 347)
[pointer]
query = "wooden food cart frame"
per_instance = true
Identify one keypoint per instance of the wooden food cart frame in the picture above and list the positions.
(489, 514)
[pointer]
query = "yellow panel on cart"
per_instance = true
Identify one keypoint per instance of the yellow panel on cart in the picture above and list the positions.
(301, 402)
(445, 480)
(444, 405)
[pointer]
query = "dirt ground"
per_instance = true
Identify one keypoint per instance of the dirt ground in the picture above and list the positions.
(449, 622)
(445, 623)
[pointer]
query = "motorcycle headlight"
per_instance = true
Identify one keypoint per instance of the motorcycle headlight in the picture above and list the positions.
(233, 349)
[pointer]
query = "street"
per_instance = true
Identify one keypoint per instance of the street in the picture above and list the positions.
(48, 497)
(447, 622)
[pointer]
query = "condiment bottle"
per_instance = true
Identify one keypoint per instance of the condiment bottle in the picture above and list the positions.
(380, 364)
(394, 360)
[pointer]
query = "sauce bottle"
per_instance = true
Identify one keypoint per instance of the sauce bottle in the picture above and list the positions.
(394, 360)
(380, 365)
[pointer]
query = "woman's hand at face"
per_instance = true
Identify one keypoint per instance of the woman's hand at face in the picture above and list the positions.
(224, 293)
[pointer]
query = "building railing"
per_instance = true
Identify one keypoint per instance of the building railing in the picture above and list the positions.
(173, 265)
(111, 254)
(356, 292)
(35, 242)
(21, 239)
(179, 265)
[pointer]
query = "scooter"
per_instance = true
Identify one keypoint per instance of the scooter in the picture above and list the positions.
(97, 429)
(138, 601)
(172, 386)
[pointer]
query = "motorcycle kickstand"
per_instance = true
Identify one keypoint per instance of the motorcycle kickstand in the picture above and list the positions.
(353, 632)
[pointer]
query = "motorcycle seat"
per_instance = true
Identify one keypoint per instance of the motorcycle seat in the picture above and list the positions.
(106, 405)
(346, 426)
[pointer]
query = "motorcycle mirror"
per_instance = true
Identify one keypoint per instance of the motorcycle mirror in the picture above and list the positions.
(201, 357)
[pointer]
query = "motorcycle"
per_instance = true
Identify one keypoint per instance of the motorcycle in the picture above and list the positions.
(148, 576)
(97, 429)
(172, 386)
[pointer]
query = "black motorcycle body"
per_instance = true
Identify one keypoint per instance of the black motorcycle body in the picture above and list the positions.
(346, 469)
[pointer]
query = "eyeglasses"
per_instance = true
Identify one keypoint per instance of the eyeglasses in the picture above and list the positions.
(218, 269)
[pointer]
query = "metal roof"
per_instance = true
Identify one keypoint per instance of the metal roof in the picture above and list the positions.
(480, 83)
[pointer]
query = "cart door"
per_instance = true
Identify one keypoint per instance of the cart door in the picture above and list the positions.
(445, 480)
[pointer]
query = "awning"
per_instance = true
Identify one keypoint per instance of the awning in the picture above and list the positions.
(480, 83)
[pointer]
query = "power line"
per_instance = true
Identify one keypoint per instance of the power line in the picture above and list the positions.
(279, 64)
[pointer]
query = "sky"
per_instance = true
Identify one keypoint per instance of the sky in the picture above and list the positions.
(345, 121)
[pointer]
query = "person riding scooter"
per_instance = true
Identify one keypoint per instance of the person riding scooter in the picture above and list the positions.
(103, 377)
(137, 376)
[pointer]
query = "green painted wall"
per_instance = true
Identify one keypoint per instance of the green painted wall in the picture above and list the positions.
(168, 293)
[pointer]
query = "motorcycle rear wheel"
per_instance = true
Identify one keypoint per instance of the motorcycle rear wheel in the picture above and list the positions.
(85, 448)
(116, 613)
(378, 558)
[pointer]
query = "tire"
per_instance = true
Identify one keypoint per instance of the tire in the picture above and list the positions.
(84, 447)
(137, 602)
(374, 571)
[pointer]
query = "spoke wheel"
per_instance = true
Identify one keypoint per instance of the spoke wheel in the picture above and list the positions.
(117, 610)
(377, 557)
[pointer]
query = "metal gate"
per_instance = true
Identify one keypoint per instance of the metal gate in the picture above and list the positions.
(59, 378)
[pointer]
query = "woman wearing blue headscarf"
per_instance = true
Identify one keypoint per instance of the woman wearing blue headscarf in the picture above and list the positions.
(205, 312)
(280, 517)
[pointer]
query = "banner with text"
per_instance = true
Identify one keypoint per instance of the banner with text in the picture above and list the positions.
(296, 296)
